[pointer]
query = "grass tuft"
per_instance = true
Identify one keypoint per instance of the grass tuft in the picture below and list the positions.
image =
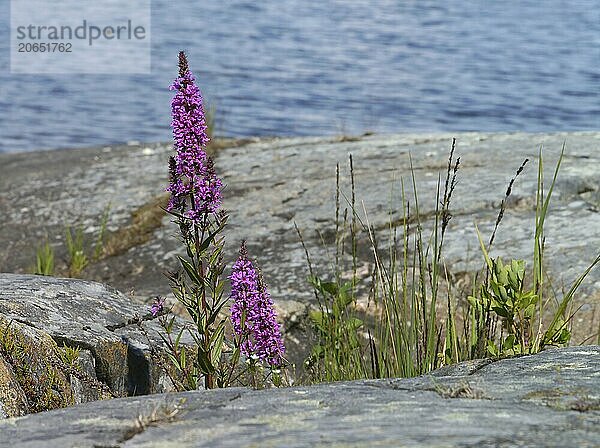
(408, 330)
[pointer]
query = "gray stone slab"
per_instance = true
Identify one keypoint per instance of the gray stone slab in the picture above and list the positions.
(94, 318)
(551, 399)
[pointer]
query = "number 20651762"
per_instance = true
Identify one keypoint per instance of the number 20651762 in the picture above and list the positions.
(44, 47)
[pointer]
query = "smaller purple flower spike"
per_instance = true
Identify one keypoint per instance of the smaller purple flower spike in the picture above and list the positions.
(191, 171)
(252, 313)
(157, 306)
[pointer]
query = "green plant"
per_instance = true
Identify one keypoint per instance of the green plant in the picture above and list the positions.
(520, 309)
(408, 332)
(195, 204)
(338, 350)
(182, 368)
(69, 356)
(408, 335)
(338, 354)
(44, 258)
(77, 260)
(77, 256)
(505, 295)
(101, 238)
(403, 337)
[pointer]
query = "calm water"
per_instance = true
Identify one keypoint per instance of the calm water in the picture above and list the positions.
(309, 67)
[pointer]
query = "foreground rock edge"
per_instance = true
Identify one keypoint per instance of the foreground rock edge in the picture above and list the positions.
(115, 347)
(548, 399)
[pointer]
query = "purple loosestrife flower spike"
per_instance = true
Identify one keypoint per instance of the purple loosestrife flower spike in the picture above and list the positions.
(191, 171)
(252, 314)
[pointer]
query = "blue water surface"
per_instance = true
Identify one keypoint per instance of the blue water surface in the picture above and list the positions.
(314, 67)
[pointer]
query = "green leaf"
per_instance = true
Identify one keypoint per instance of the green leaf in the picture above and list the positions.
(318, 318)
(513, 280)
(492, 349)
(213, 316)
(204, 363)
(473, 301)
(495, 290)
(500, 311)
(564, 337)
(503, 293)
(317, 352)
(235, 357)
(178, 338)
(529, 312)
(169, 326)
(354, 323)
(502, 274)
(188, 251)
(488, 261)
(509, 342)
(191, 272)
(204, 245)
(182, 359)
(174, 361)
(343, 297)
(330, 288)
(216, 344)
(518, 268)
(177, 215)
(214, 257)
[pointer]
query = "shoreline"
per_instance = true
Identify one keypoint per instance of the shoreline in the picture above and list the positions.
(223, 142)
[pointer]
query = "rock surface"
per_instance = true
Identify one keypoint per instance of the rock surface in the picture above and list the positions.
(272, 183)
(39, 316)
(551, 399)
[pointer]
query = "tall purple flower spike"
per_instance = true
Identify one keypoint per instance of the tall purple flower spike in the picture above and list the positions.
(192, 173)
(260, 333)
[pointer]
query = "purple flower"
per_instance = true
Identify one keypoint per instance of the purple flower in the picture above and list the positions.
(191, 171)
(157, 306)
(252, 313)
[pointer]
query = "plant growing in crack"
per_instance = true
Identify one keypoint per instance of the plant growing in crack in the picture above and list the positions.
(70, 356)
(161, 413)
(195, 204)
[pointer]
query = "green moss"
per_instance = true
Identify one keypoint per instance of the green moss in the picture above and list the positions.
(12, 398)
(33, 360)
(37, 375)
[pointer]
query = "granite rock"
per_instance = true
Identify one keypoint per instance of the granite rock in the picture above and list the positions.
(41, 317)
(551, 399)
